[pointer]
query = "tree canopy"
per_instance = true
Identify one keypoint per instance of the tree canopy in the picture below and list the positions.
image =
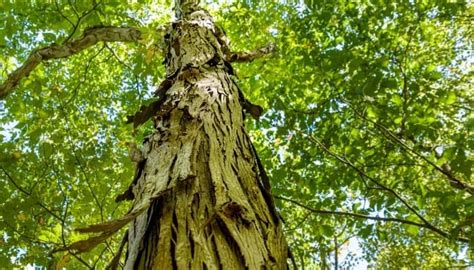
(367, 131)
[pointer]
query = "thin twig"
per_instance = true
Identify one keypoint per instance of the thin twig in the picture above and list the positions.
(362, 216)
(26, 192)
(377, 183)
(79, 19)
(84, 76)
(394, 138)
(62, 14)
(391, 191)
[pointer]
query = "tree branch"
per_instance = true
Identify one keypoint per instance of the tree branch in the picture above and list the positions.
(251, 55)
(453, 181)
(362, 173)
(28, 193)
(362, 216)
(344, 160)
(90, 37)
(81, 166)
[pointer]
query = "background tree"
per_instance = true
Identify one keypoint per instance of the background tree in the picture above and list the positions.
(367, 133)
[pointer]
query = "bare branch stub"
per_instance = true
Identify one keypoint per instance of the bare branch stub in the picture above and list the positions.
(251, 55)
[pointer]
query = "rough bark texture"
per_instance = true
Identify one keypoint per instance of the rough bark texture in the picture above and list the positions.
(207, 198)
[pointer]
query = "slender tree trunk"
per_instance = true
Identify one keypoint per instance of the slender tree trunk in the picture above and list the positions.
(211, 206)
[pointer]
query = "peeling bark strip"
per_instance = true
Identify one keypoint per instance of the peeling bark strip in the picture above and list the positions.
(90, 37)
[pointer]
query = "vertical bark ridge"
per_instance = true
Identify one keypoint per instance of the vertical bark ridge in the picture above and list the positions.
(209, 201)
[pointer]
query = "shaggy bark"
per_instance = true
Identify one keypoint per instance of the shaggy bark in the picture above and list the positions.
(211, 206)
(201, 197)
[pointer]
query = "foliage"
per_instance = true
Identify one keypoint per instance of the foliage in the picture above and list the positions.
(368, 111)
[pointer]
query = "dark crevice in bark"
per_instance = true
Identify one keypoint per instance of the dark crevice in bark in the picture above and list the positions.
(216, 251)
(185, 119)
(174, 228)
(225, 185)
(191, 244)
(231, 242)
(171, 169)
(128, 194)
(147, 254)
(206, 171)
(195, 205)
(264, 185)
(240, 181)
(219, 128)
(151, 235)
(206, 228)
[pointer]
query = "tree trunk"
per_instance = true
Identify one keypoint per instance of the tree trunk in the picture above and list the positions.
(209, 201)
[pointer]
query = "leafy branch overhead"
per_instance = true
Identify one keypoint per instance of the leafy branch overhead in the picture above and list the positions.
(90, 37)
(364, 131)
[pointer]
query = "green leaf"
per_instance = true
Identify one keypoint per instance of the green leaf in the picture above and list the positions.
(450, 98)
(413, 230)
(371, 112)
(397, 100)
